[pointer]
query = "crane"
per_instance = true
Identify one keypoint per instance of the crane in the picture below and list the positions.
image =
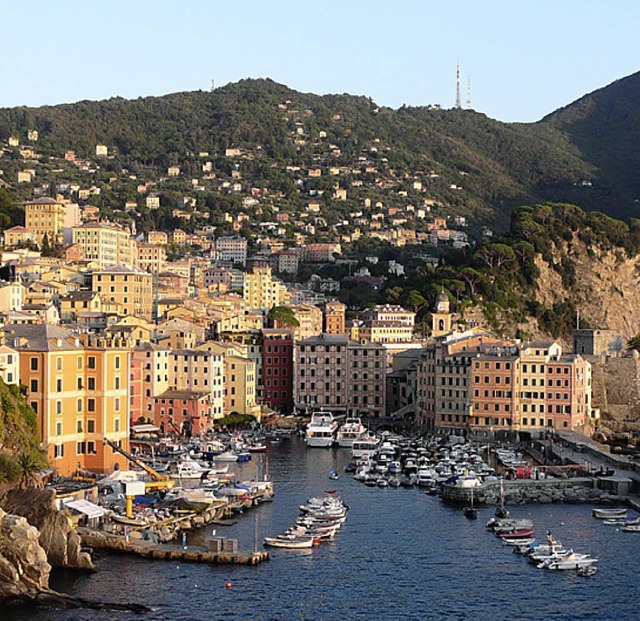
(159, 481)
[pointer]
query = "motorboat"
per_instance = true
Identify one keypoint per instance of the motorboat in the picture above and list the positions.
(615, 522)
(471, 512)
(631, 528)
(366, 445)
(321, 430)
(609, 514)
(425, 477)
(506, 524)
(333, 475)
(516, 534)
(226, 456)
(527, 542)
(351, 430)
(587, 572)
(292, 542)
(571, 560)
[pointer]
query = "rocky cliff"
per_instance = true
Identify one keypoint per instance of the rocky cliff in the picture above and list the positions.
(23, 562)
(57, 535)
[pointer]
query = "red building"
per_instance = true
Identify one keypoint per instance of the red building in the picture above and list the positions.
(277, 369)
(185, 412)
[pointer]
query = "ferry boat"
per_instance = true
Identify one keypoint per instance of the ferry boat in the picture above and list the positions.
(366, 445)
(322, 429)
(351, 430)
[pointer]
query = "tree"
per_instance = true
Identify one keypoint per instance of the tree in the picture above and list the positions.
(29, 463)
(416, 301)
(283, 316)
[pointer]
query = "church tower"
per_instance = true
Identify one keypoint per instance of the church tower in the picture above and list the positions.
(441, 317)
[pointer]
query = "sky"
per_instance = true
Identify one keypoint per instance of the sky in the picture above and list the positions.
(524, 58)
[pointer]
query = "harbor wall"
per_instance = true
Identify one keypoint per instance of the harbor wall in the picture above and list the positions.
(525, 491)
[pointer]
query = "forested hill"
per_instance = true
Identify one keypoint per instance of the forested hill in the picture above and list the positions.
(480, 167)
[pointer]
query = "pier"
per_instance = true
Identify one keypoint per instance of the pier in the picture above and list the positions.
(99, 540)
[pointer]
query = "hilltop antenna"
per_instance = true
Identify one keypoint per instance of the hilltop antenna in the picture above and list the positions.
(458, 98)
(469, 106)
(213, 85)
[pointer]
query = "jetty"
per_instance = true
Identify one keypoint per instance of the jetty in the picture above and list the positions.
(221, 551)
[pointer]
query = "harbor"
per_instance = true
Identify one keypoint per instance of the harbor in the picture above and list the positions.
(441, 560)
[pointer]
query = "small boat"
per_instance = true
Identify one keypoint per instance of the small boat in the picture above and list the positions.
(526, 542)
(333, 475)
(394, 482)
(523, 533)
(382, 482)
(257, 448)
(501, 512)
(293, 542)
(571, 560)
(471, 512)
(631, 528)
(609, 514)
(226, 456)
(350, 467)
(586, 572)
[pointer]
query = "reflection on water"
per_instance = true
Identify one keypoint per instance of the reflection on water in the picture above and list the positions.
(400, 555)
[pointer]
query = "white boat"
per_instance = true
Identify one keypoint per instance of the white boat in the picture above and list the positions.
(321, 430)
(425, 477)
(571, 560)
(609, 514)
(631, 528)
(351, 430)
(226, 456)
(366, 445)
(293, 542)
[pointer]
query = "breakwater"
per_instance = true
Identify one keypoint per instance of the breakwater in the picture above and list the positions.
(524, 491)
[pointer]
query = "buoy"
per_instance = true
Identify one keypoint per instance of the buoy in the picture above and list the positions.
(228, 585)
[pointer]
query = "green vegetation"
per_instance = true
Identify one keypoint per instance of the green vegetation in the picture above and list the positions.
(20, 455)
(283, 316)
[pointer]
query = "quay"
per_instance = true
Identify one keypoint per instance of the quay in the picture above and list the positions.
(99, 540)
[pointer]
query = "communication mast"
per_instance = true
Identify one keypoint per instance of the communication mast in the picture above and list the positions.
(213, 85)
(469, 106)
(458, 98)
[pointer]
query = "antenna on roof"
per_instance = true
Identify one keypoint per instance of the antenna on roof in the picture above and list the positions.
(458, 98)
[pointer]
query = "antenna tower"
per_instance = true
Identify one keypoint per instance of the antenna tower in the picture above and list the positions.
(458, 98)
(469, 106)
(213, 85)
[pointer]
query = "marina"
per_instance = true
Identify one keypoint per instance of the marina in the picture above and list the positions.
(399, 539)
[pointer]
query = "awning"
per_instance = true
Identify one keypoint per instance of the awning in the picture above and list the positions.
(146, 428)
(89, 509)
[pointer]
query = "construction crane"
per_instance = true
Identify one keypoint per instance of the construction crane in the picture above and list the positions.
(160, 481)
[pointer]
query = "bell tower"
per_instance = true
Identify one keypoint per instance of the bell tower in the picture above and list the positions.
(441, 317)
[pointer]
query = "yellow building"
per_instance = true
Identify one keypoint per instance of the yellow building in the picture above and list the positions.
(79, 392)
(262, 292)
(44, 216)
(12, 295)
(17, 236)
(152, 257)
(240, 386)
(130, 287)
(106, 244)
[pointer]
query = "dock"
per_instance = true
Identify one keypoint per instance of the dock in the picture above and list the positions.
(99, 540)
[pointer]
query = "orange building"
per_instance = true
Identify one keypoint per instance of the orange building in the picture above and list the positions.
(79, 392)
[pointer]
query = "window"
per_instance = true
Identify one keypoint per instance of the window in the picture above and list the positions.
(34, 364)
(91, 426)
(58, 385)
(78, 426)
(91, 405)
(58, 450)
(116, 404)
(58, 407)
(91, 385)
(116, 425)
(59, 428)
(117, 362)
(59, 363)
(79, 405)
(91, 362)
(117, 383)
(34, 385)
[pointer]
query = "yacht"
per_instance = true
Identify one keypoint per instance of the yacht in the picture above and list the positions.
(366, 445)
(322, 429)
(351, 430)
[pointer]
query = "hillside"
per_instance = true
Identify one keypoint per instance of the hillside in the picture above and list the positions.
(480, 167)
(605, 127)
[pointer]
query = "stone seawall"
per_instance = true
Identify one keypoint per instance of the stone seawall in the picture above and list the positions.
(524, 491)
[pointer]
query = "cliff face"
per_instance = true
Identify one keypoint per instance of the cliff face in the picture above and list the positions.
(23, 563)
(605, 287)
(57, 536)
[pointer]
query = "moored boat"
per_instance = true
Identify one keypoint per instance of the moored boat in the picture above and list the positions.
(321, 430)
(351, 430)
(294, 543)
(609, 514)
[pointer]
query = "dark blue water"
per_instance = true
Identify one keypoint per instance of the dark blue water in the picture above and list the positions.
(400, 555)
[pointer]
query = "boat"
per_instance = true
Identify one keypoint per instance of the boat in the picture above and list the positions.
(350, 467)
(571, 560)
(351, 430)
(321, 430)
(586, 572)
(516, 534)
(257, 448)
(333, 475)
(623, 522)
(471, 512)
(631, 528)
(366, 445)
(609, 514)
(226, 456)
(527, 542)
(394, 482)
(292, 543)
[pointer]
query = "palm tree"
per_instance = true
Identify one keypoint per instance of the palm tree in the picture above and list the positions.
(29, 468)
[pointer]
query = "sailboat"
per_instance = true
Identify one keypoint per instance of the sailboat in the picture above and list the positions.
(470, 512)
(501, 512)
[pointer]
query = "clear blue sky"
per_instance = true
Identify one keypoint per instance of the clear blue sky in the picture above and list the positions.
(525, 58)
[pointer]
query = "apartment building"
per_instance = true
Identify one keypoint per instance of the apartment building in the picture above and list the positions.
(153, 362)
(233, 249)
(44, 216)
(79, 390)
(334, 317)
(105, 244)
(152, 257)
(345, 376)
(129, 287)
(277, 369)
(262, 292)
